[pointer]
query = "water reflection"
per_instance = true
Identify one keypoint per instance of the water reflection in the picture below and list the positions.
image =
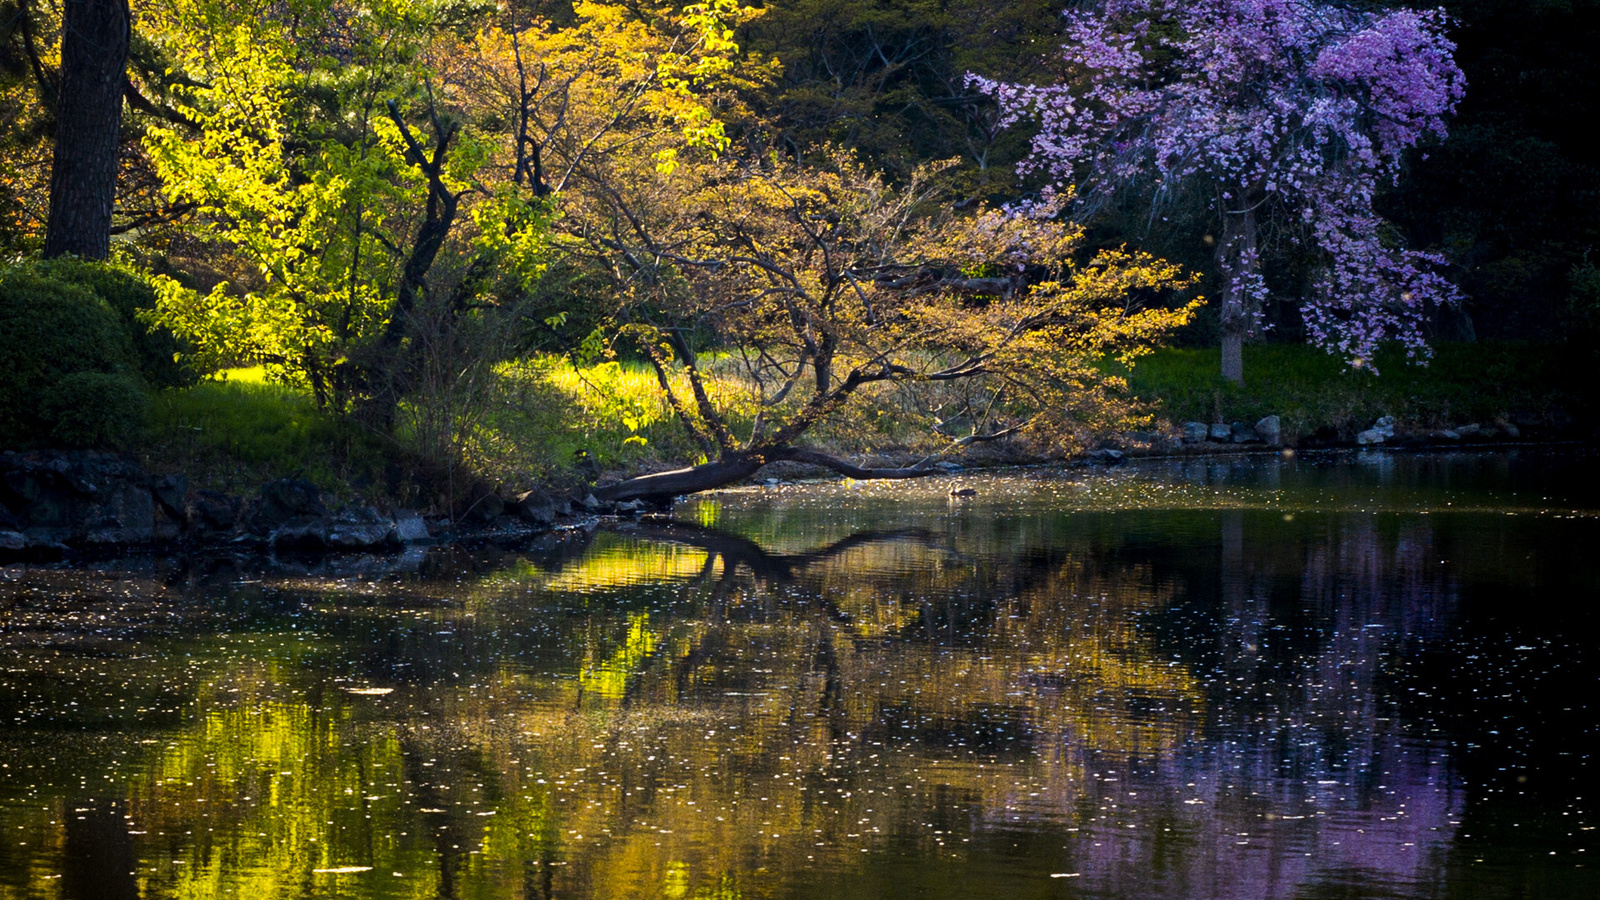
(1183, 681)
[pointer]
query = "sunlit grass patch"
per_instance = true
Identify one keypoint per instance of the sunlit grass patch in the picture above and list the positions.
(239, 429)
(552, 421)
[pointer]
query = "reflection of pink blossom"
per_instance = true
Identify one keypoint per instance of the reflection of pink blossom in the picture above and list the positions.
(1304, 774)
(1295, 108)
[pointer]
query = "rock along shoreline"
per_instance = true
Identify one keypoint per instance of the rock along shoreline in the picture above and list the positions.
(87, 503)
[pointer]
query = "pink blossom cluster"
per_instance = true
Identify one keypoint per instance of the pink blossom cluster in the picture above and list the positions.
(1292, 109)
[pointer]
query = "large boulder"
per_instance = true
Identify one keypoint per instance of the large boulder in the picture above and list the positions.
(358, 529)
(1220, 432)
(409, 528)
(172, 492)
(121, 513)
(535, 507)
(352, 528)
(210, 511)
(1195, 432)
(483, 506)
(1380, 432)
(1269, 430)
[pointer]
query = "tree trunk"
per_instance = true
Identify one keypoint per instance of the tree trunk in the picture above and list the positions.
(83, 176)
(1237, 262)
(388, 372)
(731, 469)
(666, 485)
(1232, 352)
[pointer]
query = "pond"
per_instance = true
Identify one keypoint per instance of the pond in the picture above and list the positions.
(1344, 675)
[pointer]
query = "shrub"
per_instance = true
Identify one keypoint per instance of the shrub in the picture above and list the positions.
(163, 359)
(94, 409)
(48, 331)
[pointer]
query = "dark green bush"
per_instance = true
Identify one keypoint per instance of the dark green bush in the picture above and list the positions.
(48, 331)
(94, 409)
(162, 358)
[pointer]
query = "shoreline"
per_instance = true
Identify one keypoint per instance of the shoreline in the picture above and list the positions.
(84, 507)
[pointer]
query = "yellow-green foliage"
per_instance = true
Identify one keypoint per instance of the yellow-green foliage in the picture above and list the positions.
(827, 287)
(311, 214)
(372, 238)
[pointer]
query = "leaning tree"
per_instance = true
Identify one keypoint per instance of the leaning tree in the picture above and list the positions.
(814, 289)
(1287, 114)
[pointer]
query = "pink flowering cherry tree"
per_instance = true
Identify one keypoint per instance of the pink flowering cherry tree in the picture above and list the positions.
(1288, 113)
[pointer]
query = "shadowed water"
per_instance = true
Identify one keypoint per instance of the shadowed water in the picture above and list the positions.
(1327, 676)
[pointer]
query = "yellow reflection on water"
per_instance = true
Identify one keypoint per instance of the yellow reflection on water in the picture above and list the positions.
(615, 562)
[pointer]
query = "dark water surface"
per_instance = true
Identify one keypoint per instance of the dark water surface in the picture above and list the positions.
(1315, 677)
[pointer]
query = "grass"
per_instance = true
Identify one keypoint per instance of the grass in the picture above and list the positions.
(237, 430)
(554, 423)
(1309, 389)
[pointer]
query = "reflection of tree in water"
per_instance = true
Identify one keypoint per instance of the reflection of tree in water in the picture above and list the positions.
(1295, 635)
(680, 712)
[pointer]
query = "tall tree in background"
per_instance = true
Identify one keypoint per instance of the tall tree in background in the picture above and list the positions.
(1288, 114)
(94, 58)
(884, 79)
(1512, 195)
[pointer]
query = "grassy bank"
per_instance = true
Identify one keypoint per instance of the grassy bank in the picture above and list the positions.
(1309, 389)
(545, 421)
(541, 422)
(236, 430)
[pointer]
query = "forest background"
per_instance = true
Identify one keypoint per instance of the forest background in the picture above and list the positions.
(291, 175)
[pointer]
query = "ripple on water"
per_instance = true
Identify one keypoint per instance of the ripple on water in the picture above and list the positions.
(1257, 677)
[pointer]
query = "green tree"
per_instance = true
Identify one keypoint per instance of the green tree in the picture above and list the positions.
(386, 180)
(885, 79)
(323, 157)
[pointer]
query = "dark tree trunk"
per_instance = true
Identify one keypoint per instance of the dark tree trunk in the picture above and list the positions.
(83, 176)
(1236, 254)
(1232, 352)
(665, 485)
(733, 468)
(388, 374)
